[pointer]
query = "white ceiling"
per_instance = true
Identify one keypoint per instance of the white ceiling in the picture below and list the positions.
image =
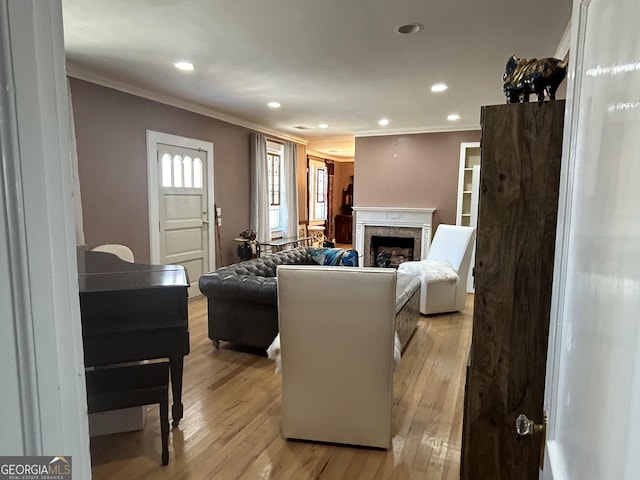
(338, 62)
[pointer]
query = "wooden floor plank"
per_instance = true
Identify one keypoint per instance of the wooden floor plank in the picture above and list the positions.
(231, 424)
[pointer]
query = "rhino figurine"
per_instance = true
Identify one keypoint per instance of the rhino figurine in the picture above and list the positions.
(523, 77)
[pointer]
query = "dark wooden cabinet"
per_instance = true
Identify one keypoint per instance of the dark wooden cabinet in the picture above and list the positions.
(344, 228)
(518, 204)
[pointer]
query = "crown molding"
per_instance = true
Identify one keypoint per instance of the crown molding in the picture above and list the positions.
(411, 131)
(339, 138)
(76, 71)
(327, 156)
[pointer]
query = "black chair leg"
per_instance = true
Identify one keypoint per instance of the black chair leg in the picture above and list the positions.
(164, 430)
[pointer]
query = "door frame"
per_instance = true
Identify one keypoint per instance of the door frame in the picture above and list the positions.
(41, 357)
(554, 463)
(153, 138)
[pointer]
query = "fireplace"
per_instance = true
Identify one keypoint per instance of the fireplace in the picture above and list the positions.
(395, 250)
(406, 225)
(402, 236)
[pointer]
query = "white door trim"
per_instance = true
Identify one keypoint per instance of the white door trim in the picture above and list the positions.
(41, 358)
(555, 468)
(153, 138)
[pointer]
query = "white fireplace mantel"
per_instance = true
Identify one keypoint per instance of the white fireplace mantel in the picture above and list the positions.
(393, 217)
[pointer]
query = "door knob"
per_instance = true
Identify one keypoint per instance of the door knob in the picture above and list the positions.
(525, 427)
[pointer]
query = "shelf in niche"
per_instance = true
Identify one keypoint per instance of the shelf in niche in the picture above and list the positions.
(468, 182)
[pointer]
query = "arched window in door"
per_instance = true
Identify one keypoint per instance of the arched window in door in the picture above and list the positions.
(180, 172)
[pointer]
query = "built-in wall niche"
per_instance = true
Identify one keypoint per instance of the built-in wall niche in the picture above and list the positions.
(468, 184)
(397, 250)
(468, 194)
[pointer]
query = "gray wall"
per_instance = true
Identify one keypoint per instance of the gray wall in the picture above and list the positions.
(418, 170)
(111, 140)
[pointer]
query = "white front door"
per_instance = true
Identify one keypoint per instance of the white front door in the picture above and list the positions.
(593, 370)
(184, 215)
(182, 181)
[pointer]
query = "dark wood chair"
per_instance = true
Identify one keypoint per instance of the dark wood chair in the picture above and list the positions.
(131, 385)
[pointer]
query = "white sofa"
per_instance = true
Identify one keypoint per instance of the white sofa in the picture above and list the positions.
(444, 272)
(337, 338)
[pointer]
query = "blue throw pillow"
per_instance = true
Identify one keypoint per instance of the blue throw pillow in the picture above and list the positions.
(335, 256)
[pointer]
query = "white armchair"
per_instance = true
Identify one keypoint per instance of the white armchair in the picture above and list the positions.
(444, 272)
(337, 339)
(122, 251)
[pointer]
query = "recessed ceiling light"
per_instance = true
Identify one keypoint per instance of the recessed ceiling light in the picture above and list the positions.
(453, 117)
(438, 87)
(383, 122)
(186, 66)
(273, 105)
(323, 125)
(409, 28)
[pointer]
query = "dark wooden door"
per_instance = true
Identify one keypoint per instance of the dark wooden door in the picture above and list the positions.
(519, 181)
(344, 227)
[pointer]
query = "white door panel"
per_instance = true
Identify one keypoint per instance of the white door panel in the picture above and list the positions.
(183, 211)
(593, 376)
(180, 205)
(184, 242)
(185, 223)
(194, 267)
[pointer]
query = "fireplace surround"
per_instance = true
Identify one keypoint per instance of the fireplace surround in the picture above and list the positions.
(410, 223)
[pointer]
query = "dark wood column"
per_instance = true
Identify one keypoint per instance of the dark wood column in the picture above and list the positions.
(520, 174)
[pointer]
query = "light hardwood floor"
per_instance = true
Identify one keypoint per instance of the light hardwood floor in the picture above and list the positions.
(231, 421)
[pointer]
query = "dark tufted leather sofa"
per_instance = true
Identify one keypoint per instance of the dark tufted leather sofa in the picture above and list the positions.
(242, 298)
